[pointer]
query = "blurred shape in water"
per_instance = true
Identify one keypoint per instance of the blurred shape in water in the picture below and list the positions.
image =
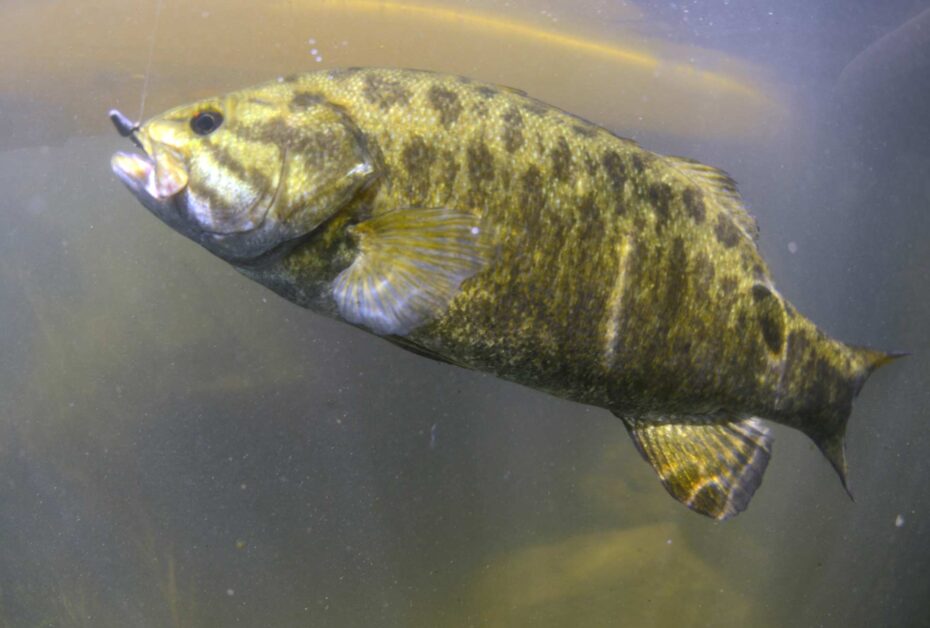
(902, 53)
(608, 578)
(885, 83)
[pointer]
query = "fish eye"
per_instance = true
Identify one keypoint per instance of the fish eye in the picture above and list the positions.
(206, 122)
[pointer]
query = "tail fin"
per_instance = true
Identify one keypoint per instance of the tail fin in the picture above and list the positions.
(828, 429)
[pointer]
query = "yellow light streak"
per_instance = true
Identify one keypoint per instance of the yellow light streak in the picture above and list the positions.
(488, 22)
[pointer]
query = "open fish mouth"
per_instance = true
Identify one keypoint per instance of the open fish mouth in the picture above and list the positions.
(135, 171)
(146, 179)
(160, 178)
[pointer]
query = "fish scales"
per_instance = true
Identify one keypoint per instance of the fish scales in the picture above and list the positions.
(564, 200)
(476, 225)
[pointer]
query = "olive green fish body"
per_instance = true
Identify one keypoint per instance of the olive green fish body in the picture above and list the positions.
(603, 249)
(476, 225)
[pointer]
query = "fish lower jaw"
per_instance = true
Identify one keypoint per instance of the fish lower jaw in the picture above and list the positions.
(132, 169)
(142, 176)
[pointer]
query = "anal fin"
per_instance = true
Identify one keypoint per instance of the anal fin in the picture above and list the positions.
(711, 467)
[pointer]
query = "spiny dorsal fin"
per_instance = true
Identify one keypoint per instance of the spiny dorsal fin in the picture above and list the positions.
(712, 468)
(410, 265)
(510, 90)
(721, 188)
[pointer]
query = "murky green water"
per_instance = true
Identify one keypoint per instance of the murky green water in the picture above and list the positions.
(180, 447)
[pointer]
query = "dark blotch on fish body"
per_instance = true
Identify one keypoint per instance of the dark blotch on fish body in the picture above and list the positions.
(561, 157)
(446, 103)
(487, 91)
(728, 284)
(253, 176)
(584, 130)
(771, 317)
(676, 278)
(589, 212)
(615, 170)
(512, 131)
(535, 107)
(417, 157)
(340, 74)
(532, 196)
(728, 234)
(480, 162)
(450, 170)
(305, 100)
(660, 195)
(385, 92)
(704, 272)
(693, 199)
(482, 172)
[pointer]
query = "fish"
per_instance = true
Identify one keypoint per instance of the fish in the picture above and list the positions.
(474, 225)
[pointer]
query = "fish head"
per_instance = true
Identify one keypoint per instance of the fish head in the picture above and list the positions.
(246, 174)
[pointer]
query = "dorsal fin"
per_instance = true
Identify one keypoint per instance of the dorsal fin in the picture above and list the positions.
(721, 189)
(510, 90)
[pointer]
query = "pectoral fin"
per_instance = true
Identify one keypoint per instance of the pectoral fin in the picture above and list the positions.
(712, 468)
(411, 264)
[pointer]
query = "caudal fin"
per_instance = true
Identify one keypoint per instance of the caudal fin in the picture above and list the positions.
(714, 466)
(827, 426)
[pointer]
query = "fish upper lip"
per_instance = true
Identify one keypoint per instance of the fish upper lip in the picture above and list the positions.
(123, 162)
(142, 171)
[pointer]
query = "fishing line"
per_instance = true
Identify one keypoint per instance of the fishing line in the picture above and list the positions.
(148, 65)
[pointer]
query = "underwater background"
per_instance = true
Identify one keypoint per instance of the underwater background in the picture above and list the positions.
(181, 447)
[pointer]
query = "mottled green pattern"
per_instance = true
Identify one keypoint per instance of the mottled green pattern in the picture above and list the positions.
(617, 277)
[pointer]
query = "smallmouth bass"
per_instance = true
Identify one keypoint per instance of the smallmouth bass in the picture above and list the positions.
(477, 226)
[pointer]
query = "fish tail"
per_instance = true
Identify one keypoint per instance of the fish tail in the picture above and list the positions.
(832, 396)
(713, 464)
